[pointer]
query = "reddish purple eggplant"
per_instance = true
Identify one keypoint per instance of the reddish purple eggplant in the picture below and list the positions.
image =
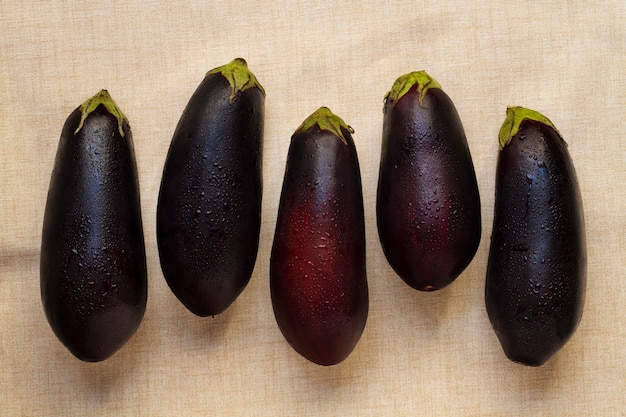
(536, 273)
(93, 262)
(209, 207)
(317, 269)
(428, 205)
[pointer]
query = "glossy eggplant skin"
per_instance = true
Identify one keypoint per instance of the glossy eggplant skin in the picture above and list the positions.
(317, 269)
(536, 272)
(93, 262)
(428, 204)
(209, 207)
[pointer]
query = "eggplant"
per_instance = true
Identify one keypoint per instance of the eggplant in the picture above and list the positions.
(536, 273)
(209, 204)
(318, 277)
(427, 202)
(93, 275)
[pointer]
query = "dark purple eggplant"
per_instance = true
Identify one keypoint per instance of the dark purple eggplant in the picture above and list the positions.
(209, 207)
(428, 205)
(536, 274)
(93, 262)
(317, 269)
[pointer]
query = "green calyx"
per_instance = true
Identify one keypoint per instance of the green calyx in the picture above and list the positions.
(514, 118)
(404, 83)
(102, 98)
(239, 76)
(326, 120)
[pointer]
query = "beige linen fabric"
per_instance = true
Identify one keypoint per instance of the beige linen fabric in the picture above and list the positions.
(429, 354)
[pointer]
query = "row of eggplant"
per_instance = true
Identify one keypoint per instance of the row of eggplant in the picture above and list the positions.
(93, 263)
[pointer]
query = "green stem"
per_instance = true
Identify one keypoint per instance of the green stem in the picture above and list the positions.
(404, 83)
(102, 98)
(326, 120)
(514, 118)
(239, 76)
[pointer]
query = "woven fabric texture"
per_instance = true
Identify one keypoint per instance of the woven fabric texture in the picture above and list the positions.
(430, 354)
